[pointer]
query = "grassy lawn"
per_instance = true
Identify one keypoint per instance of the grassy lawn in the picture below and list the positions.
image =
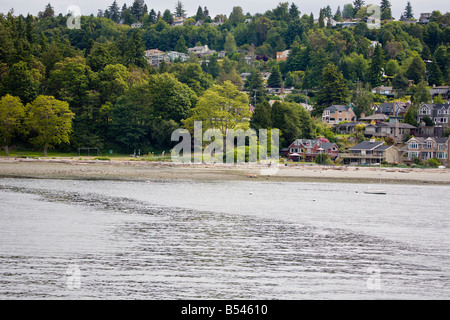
(84, 156)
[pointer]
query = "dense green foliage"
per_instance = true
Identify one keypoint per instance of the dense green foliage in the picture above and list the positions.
(120, 102)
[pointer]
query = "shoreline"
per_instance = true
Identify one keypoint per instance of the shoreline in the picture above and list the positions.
(143, 171)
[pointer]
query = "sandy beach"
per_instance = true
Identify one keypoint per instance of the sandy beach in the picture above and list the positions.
(142, 170)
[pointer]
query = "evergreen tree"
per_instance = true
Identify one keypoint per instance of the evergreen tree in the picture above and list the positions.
(376, 67)
(357, 5)
(181, 45)
(400, 83)
(321, 19)
(338, 14)
(179, 10)
(434, 74)
(261, 116)
(152, 17)
(294, 13)
(200, 15)
(408, 11)
(137, 9)
(275, 80)
(416, 70)
(134, 54)
(214, 68)
(114, 12)
(255, 86)
(386, 12)
(333, 89)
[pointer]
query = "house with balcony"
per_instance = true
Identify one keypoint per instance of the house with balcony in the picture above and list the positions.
(336, 114)
(308, 150)
(427, 148)
(372, 152)
(395, 130)
(178, 56)
(155, 57)
(438, 113)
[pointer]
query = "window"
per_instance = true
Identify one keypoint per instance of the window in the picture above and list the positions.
(413, 145)
(440, 147)
(429, 145)
(441, 155)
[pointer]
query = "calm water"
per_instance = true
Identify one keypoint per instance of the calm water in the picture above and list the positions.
(222, 240)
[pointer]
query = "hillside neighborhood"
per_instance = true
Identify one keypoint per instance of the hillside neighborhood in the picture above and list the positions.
(345, 87)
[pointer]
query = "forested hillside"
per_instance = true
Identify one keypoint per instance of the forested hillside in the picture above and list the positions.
(120, 102)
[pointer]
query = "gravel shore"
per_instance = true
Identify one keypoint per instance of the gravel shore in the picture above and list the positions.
(142, 170)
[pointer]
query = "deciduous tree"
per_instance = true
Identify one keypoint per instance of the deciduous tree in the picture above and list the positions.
(50, 122)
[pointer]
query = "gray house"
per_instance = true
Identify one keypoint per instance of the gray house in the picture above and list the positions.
(395, 130)
(372, 152)
(439, 113)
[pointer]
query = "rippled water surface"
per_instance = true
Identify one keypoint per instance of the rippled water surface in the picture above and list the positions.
(63, 239)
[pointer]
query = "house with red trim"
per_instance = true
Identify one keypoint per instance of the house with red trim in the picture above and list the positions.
(308, 150)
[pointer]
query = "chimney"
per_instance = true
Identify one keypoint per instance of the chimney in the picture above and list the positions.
(363, 115)
(372, 140)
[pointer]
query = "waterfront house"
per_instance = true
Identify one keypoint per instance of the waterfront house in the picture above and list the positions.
(372, 152)
(427, 148)
(308, 150)
(336, 114)
(136, 25)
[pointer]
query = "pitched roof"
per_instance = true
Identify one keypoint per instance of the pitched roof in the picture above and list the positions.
(367, 145)
(337, 108)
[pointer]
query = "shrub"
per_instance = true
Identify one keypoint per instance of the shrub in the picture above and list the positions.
(416, 160)
(323, 159)
(433, 163)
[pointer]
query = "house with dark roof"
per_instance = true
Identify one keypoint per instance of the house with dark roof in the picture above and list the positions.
(308, 150)
(438, 113)
(427, 148)
(336, 114)
(395, 111)
(439, 91)
(384, 91)
(395, 130)
(372, 152)
(347, 127)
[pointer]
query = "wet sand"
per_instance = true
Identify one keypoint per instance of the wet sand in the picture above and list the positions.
(142, 170)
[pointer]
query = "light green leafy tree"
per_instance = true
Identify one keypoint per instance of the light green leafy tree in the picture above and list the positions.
(221, 107)
(11, 113)
(50, 120)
